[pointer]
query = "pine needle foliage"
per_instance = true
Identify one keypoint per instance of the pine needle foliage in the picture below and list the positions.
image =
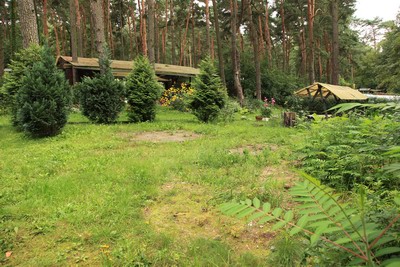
(142, 91)
(210, 95)
(324, 219)
(102, 98)
(23, 61)
(42, 101)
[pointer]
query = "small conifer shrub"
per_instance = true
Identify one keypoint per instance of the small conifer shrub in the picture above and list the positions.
(101, 98)
(142, 91)
(42, 101)
(210, 95)
(22, 62)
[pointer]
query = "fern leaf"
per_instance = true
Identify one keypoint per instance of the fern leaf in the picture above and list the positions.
(255, 216)
(267, 218)
(266, 207)
(245, 212)
(248, 202)
(256, 203)
(395, 262)
(316, 217)
(227, 206)
(277, 212)
(387, 251)
(356, 262)
(314, 238)
(300, 225)
(384, 240)
(288, 216)
(278, 225)
(238, 208)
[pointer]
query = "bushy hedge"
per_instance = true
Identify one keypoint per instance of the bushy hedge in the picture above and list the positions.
(210, 95)
(142, 91)
(42, 101)
(101, 98)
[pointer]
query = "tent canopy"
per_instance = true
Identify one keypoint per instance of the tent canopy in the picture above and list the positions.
(324, 90)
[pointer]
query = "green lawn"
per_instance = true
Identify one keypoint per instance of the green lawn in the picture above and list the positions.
(96, 195)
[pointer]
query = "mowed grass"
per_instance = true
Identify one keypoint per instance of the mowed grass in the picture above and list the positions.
(88, 196)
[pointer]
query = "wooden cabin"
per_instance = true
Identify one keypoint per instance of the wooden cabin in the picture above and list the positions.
(83, 67)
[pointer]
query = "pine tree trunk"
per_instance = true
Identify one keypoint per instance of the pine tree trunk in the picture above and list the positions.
(303, 50)
(27, 17)
(54, 22)
(73, 30)
(143, 28)
(78, 29)
(98, 25)
(335, 42)
(2, 38)
(165, 34)
(208, 42)
(193, 40)
(284, 46)
(13, 32)
(45, 27)
(320, 69)
(310, 18)
(183, 44)
(133, 19)
(328, 50)
(173, 53)
(219, 44)
(150, 19)
(235, 53)
(268, 34)
(256, 52)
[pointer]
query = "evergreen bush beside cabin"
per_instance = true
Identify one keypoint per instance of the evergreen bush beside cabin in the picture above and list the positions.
(142, 91)
(210, 95)
(23, 61)
(42, 99)
(101, 98)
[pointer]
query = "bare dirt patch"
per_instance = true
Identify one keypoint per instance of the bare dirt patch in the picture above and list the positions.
(280, 173)
(253, 149)
(185, 213)
(161, 137)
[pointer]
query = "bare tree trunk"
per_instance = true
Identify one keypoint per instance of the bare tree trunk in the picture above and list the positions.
(27, 17)
(73, 31)
(261, 37)
(98, 25)
(133, 18)
(219, 44)
(303, 51)
(208, 46)
(143, 28)
(194, 40)
(235, 53)
(13, 33)
(78, 28)
(173, 54)
(2, 37)
(268, 34)
(45, 27)
(83, 31)
(183, 44)
(284, 44)
(320, 70)
(157, 35)
(311, 60)
(328, 49)
(256, 52)
(335, 42)
(150, 19)
(130, 37)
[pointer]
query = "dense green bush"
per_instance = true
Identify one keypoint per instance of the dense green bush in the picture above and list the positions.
(23, 61)
(210, 95)
(142, 91)
(43, 97)
(101, 98)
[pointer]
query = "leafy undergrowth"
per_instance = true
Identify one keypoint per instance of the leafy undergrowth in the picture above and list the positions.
(96, 196)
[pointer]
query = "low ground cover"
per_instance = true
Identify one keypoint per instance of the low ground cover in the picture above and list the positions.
(96, 195)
